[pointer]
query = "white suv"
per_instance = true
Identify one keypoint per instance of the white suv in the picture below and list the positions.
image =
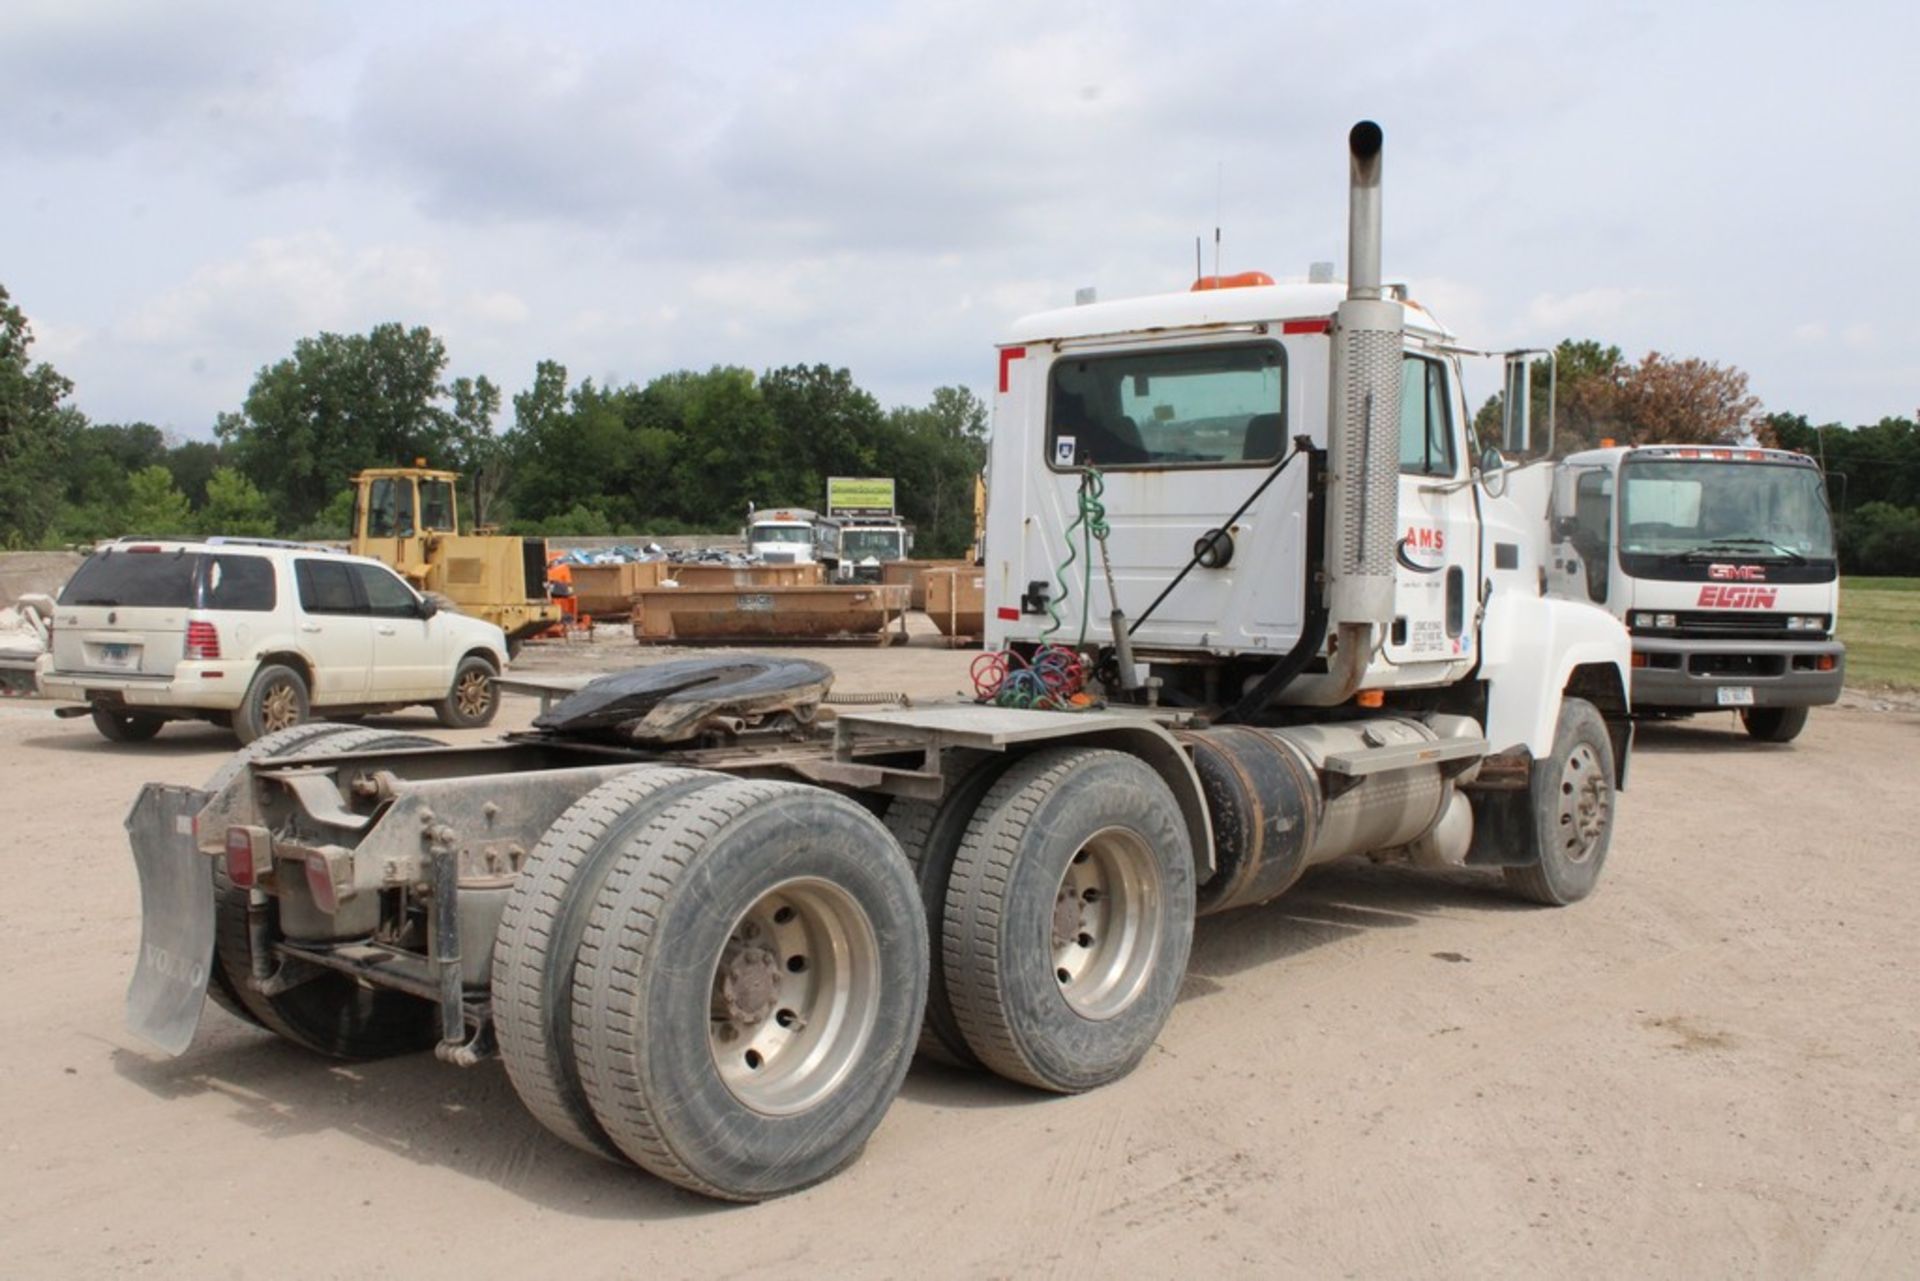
(257, 635)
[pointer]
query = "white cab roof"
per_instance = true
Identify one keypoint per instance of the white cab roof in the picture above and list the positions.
(1198, 310)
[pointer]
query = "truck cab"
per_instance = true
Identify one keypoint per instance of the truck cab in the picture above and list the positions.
(867, 545)
(1186, 406)
(784, 536)
(1721, 562)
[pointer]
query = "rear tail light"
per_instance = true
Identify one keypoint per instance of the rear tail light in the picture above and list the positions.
(240, 866)
(203, 640)
(326, 895)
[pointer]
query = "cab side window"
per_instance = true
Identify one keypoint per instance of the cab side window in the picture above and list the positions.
(436, 505)
(1426, 418)
(325, 587)
(387, 596)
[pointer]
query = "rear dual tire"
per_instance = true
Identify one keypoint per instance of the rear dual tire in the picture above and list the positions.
(539, 939)
(1069, 918)
(748, 988)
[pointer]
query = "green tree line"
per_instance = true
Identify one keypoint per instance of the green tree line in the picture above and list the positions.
(689, 450)
(686, 452)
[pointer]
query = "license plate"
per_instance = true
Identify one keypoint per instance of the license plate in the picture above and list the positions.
(1735, 695)
(116, 656)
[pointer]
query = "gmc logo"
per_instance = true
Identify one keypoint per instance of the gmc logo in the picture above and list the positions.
(1713, 597)
(1738, 573)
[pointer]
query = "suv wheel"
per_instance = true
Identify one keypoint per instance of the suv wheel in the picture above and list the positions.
(474, 697)
(276, 700)
(126, 727)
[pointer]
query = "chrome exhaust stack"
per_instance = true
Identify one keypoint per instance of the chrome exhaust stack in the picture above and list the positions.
(1363, 425)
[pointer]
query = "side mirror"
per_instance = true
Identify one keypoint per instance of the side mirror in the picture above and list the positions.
(1521, 432)
(428, 607)
(1493, 472)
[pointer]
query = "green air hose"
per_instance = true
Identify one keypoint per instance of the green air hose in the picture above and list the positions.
(1091, 521)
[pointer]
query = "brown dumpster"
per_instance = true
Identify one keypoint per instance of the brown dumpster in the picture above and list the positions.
(607, 590)
(913, 573)
(747, 575)
(871, 612)
(957, 602)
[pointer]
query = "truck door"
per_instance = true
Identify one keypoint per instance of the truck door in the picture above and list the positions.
(1583, 512)
(1436, 592)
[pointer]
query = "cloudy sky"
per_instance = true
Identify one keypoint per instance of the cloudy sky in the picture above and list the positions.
(190, 186)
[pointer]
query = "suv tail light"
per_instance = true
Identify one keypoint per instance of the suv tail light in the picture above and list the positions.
(203, 640)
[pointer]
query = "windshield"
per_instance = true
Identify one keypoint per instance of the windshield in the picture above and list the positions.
(881, 544)
(1198, 407)
(779, 534)
(1730, 509)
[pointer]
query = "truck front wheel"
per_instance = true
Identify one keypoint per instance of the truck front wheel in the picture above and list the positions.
(1069, 918)
(1774, 724)
(749, 987)
(1571, 810)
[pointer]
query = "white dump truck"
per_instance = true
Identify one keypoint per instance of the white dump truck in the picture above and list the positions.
(1720, 560)
(1255, 606)
(868, 530)
(789, 536)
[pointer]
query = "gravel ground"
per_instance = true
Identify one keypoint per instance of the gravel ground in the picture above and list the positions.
(1711, 1067)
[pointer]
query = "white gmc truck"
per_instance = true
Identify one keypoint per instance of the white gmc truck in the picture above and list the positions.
(1720, 560)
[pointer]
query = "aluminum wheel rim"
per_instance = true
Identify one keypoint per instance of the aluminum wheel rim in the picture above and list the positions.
(472, 692)
(795, 996)
(279, 708)
(1585, 803)
(1106, 923)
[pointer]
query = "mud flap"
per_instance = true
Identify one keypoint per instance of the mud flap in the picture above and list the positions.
(169, 985)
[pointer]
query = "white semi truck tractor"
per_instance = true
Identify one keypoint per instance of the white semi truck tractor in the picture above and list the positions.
(1720, 560)
(1256, 608)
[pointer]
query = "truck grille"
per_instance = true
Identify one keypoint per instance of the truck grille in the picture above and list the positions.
(1743, 624)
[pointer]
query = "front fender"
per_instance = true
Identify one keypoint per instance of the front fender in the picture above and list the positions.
(1530, 647)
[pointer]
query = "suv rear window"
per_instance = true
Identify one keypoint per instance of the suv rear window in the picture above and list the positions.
(176, 579)
(117, 576)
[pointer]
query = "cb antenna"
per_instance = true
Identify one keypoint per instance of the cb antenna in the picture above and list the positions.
(1199, 265)
(1219, 202)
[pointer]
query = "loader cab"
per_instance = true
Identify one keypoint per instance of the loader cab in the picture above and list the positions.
(400, 514)
(404, 503)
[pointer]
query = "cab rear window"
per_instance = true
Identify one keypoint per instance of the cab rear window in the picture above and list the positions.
(1195, 407)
